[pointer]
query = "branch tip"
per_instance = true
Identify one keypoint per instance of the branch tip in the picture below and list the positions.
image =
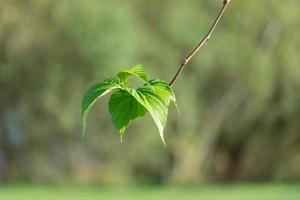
(201, 44)
(226, 2)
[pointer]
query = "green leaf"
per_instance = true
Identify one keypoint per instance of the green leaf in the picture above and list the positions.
(126, 104)
(137, 71)
(94, 93)
(155, 105)
(124, 108)
(164, 90)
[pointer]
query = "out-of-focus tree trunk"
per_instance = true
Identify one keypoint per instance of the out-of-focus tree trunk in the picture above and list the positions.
(192, 160)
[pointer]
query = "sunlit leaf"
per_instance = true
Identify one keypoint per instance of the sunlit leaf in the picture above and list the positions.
(155, 105)
(137, 71)
(94, 93)
(164, 90)
(127, 104)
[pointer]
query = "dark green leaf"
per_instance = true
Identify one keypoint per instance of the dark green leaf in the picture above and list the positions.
(124, 108)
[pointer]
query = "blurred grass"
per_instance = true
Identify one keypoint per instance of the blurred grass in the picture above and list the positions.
(211, 192)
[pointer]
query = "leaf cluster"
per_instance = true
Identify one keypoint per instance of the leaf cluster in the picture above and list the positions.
(126, 103)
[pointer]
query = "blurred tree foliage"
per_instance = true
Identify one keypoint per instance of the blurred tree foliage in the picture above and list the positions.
(239, 97)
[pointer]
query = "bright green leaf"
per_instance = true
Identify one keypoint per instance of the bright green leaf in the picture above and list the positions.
(164, 90)
(155, 105)
(124, 108)
(126, 104)
(137, 71)
(94, 93)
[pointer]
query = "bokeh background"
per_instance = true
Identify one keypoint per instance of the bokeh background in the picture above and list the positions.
(239, 97)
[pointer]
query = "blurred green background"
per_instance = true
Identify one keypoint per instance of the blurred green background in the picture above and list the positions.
(239, 97)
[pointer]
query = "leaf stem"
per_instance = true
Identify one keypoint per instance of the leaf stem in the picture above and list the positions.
(201, 44)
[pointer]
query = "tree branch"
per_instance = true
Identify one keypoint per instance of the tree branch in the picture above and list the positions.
(201, 44)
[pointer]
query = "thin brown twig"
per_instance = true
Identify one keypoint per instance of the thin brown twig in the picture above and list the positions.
(201, 44)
